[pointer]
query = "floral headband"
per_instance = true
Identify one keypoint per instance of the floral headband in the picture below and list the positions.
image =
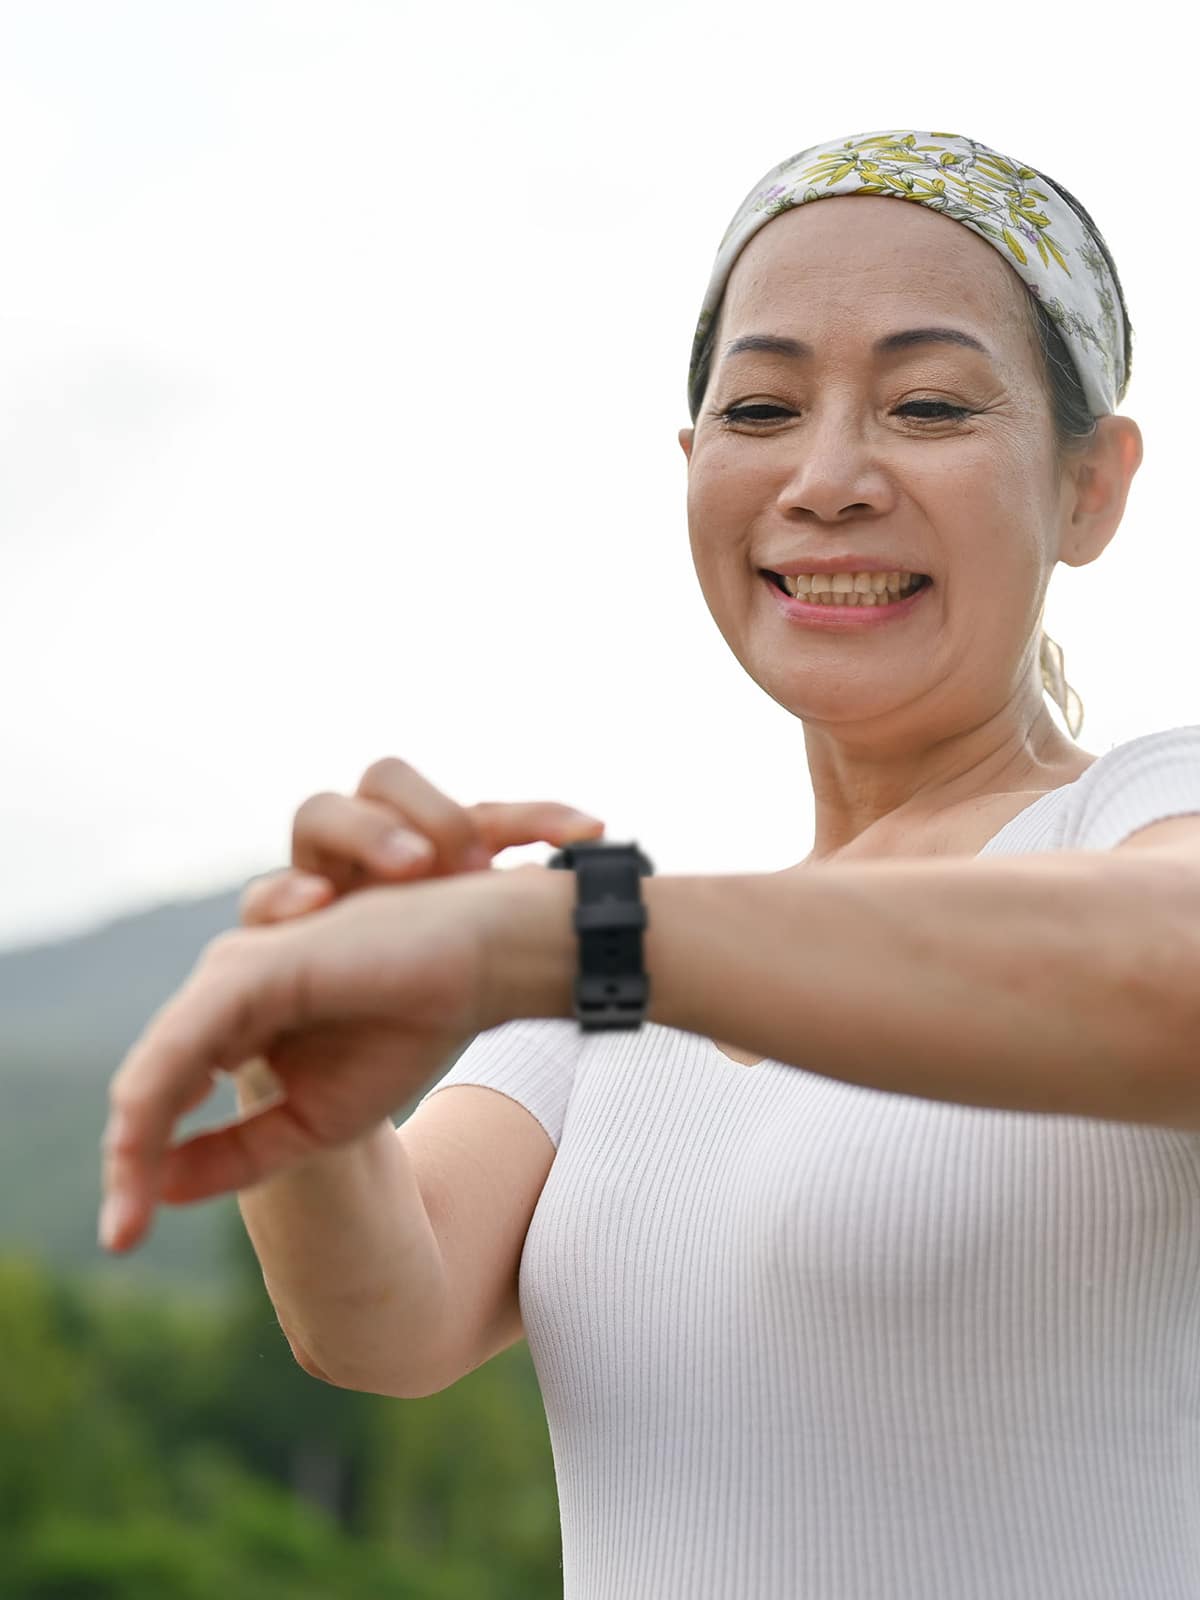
(1015, 208)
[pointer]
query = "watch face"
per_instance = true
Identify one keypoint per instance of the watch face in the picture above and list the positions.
(573, 854)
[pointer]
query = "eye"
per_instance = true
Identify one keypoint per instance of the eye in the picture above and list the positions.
(759, 413)
(918, 410)
(948, 412)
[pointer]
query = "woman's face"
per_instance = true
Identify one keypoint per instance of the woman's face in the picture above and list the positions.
(857, 458)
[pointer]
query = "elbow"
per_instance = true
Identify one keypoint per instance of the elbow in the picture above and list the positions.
(306, 1363)
(314, 1371)
(301, 1356)
(364, 1383)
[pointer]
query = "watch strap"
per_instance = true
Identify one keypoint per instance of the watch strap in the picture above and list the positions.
(612, 989)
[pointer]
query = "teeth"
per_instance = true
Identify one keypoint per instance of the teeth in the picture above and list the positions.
(850, 588)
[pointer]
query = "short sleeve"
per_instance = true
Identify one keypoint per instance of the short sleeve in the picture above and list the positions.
(1139, 782)
(530, 1059)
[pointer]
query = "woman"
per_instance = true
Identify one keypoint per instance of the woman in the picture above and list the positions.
(895, 1295)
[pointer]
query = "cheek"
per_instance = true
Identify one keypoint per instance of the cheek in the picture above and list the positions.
(967, 481)
(990, 529)
(989, 505)
(723, 492)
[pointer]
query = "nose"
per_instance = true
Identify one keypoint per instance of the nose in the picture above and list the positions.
(832, 473)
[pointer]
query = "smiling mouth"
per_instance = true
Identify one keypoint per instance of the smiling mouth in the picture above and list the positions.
(827, 597)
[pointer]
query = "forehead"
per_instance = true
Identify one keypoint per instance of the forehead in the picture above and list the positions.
(869, 258)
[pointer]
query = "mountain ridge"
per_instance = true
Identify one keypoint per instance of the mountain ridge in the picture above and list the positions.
(70, 1011)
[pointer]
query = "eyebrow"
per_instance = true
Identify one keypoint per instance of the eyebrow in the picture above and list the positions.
(774, 345)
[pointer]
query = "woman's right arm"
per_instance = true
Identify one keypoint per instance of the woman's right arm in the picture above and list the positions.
(392, 1262)
(349, 1257)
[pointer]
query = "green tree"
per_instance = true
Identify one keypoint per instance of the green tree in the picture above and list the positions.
(154, 1444)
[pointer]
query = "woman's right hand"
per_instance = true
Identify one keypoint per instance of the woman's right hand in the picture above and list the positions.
(340, 843)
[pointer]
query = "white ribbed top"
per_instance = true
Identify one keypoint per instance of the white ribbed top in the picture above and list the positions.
(801, 1340)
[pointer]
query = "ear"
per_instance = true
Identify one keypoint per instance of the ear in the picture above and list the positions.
(686, 435)
(1096, 487)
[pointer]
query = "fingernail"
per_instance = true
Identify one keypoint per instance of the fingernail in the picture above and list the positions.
(115, 1215)
(401, 847)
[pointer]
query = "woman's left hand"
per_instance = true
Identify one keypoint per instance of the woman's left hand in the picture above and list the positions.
(355, 1008)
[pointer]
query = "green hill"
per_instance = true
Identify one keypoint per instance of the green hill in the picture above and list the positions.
(69, 1012)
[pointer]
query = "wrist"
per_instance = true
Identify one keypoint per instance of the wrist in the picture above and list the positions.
(529, 945)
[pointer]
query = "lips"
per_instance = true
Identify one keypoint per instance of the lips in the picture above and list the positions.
(821, 615)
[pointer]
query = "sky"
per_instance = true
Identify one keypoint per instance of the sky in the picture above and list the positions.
(343, 351)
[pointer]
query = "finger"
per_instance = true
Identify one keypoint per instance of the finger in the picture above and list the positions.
(344, 837)
(503, 824)
(351, 838)
(279, 895)
(236, 1156)
(467, 836)
(230, 1008)
(341, 838)
(424, 809)
(201, 1094)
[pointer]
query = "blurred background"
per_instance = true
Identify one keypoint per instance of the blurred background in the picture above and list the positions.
(343, 348)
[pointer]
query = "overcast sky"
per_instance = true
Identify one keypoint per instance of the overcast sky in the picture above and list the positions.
(344, 348)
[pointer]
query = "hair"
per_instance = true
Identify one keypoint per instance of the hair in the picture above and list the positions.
(1074, 424)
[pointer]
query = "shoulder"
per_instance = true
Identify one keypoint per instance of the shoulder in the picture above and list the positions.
(533, 1060)
(1146, 778)
(1150, 747)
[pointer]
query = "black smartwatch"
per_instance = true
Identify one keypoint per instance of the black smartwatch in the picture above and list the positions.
(612, 989)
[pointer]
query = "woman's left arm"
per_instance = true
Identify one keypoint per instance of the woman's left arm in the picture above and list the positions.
(1066, 982)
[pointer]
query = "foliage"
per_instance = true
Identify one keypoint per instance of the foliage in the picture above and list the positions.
(154, 1443)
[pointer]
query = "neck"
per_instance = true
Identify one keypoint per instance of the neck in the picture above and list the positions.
(860, 787)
